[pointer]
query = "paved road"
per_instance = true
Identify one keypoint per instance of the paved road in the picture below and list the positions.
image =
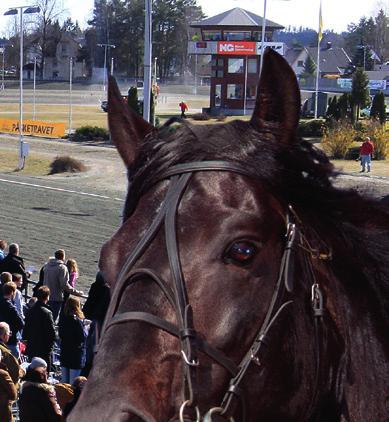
(43, 219)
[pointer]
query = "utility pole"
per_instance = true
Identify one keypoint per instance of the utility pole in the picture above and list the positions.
(147, 63)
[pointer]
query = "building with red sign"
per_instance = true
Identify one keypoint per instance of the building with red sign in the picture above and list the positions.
(233, 40)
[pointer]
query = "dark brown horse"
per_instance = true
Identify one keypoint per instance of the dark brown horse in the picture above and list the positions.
(245, 286)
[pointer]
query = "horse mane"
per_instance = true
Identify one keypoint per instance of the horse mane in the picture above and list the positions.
(355, 227)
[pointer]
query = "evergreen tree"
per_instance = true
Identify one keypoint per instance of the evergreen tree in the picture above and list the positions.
(309, 67)
(332, 110)
(344, 106)
(378, 108)
(132, 99)
(360, 92)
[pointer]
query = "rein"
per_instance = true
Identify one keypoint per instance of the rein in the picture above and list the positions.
(190, 342)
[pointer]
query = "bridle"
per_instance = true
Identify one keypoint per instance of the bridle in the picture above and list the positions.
(190, 342)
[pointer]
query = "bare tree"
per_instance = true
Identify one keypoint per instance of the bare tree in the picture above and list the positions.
(50, 12)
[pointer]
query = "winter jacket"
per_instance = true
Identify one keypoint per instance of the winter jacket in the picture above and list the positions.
(56, 278)
(38, 403)
(14, 264)
(367, 148)
(10, 362)
(96, 305)
(39, 331)
(73, 341)
(9, 314)
(8, 394)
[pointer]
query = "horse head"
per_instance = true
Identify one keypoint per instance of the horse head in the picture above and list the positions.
(219, 272)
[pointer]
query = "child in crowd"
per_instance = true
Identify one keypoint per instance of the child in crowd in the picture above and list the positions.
(3, 247)
(73, 271)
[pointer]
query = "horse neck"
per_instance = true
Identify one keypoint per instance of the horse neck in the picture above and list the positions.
(363, 369)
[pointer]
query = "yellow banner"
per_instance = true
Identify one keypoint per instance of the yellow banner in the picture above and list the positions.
(33, 128)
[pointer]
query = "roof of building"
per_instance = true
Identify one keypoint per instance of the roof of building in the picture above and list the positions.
(292, 54)
(332, 60)
(235, 17)
(378, 75)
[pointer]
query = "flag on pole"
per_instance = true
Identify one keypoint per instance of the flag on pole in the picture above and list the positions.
(320, 24)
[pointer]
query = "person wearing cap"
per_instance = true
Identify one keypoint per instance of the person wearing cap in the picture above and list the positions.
(8, 393)
(37, 400)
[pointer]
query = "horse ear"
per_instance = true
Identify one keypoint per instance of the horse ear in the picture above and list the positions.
(127, 128)
(278, 96)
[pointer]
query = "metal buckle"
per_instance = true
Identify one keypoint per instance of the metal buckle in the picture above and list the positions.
(188, 362)
(317, 300)
(216, 411)
(255, 359)
(182, 408)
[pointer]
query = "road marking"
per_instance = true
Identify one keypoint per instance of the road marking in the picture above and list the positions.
(34, 185)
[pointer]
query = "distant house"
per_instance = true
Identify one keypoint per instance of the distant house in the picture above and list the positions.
(334, 61)
(296, 58)
(58, 67)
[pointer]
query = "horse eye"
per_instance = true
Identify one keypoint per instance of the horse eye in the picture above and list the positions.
(240, 253)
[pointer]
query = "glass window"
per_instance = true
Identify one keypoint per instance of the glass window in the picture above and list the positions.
(258, 36)
(213, 73)
(237, 35)
(220, 62)
(220, 73)
(213, 62)
(212, 35)
(235, 91)
(218, 95)
(300, 63)
(252, 66)
(235, 66)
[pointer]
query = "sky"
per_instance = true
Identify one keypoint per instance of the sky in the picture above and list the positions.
(337, 14)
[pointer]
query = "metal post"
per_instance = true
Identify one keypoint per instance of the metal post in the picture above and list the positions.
(34, 110)
(105, 68)
(112, 60)
(147, 63)
(70, 95)
(245, 86)
(195, 75)
(318, 66)
(2, 78)
(21, 157)
(263, 36)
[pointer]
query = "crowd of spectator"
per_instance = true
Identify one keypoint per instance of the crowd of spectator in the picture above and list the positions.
(31, 329)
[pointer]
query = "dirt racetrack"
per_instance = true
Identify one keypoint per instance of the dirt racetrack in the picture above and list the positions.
(80, 212)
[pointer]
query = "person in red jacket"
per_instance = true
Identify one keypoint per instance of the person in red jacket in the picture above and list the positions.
(183, 107)
(366, 152)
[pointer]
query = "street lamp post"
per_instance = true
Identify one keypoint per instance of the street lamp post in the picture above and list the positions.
(263, 35)
(34, 110)
(106, 46)
(3, 68)
(14, 11)
(147, 62)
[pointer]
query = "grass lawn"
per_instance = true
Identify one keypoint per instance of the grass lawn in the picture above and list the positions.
(82, 115)
(36, 165)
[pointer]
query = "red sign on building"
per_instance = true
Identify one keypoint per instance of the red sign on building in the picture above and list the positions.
(236, 47)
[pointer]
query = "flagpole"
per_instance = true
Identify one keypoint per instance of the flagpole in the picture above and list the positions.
(319, 38)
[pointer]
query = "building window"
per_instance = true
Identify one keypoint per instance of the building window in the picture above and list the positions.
(300, 63)
(212, 35)
(218, 95)
(235, 91)
(220, 73)
(235, 66)
(258, 36)
(220, 62)
(237, 35)
(252, 66)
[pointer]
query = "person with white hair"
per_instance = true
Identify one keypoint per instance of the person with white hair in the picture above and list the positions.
(9, 359)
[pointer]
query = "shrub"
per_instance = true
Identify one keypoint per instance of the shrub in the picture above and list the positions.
(338, 139)
(314, 128)
(200, 116)
(221, 118)
(90, 133)
(66, 164)
(380, 139)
